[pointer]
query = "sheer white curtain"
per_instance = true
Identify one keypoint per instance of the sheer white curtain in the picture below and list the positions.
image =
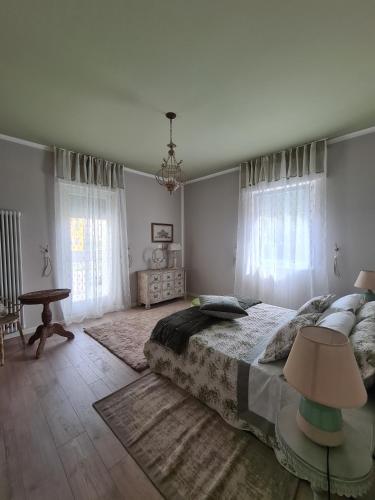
(281, 240)
(91, 248)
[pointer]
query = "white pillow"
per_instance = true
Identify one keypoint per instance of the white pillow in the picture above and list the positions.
(350, 302)
(342, 321)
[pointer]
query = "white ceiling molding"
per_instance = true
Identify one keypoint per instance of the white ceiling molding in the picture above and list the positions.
(351, 135)
(139, 172)
(17, 140)
(210, 176)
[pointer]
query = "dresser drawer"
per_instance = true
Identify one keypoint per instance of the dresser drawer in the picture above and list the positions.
(168, 294)
(155, 297)
(179, 291)
(168, 285)
(179, 275)
(179, 283)
(155, 277)
(168, 275)
(155, 287)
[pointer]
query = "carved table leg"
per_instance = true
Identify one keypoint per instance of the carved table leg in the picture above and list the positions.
(60, 330)
(46, 314)
(43, 338)
(36, 335)
(42, 330)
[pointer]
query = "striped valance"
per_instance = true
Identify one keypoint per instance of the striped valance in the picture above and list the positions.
(80, 167)
(294, 162)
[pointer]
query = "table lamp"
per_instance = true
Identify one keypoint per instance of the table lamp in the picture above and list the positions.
(366, 279)
(322, 367)
(174, 248)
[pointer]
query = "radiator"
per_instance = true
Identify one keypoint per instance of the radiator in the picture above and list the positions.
(10, 256)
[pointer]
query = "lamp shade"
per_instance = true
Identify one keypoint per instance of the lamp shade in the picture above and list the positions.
(366, 279)
(322, 367)
(174, 247)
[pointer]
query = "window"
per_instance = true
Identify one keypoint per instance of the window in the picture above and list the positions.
(91, 249)
(281, 255)
(83, 232)
(283, 220)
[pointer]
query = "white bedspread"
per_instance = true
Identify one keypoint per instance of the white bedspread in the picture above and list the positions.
(268, 391)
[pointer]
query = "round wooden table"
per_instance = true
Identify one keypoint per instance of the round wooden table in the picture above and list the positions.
(45, 297)
(351, 465)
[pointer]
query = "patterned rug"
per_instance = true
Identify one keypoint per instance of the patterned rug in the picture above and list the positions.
(126, 336)
(187, 450)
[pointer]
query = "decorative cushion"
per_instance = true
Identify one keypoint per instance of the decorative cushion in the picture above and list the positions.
(246, 302)
(224, 307)
(195, 302)
(281, 343)
(342, 321)
(366, 311)
(316, 304)
(363, 343)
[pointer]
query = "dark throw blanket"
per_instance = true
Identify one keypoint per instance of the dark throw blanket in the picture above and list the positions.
(174, 331)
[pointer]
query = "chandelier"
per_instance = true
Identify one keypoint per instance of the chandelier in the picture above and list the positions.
(170, 175)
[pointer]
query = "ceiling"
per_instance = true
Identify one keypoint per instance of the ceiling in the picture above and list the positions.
(245, 77)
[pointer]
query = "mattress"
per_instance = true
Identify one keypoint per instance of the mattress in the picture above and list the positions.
(220, 368)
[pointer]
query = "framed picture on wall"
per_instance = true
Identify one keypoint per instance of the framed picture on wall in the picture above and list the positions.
(161, 233)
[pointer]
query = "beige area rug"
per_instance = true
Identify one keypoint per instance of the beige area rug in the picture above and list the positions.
(126, 337)
(187, 450)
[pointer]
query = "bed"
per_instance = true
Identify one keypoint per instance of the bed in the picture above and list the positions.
(220, 367)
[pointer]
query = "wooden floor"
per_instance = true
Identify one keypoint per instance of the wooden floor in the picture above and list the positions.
(53, 445)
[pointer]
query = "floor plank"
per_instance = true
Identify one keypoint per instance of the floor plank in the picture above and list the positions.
(132, 481)
(40, 465)
(87, 474)
(107, 445)
(100, 389)
(11, 482)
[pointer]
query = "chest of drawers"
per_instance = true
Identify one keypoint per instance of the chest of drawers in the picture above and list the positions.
(157, 285)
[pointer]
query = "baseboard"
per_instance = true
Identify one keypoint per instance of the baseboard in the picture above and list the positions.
(26, 331)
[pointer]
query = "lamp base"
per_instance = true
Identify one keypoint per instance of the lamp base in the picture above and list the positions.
(320, 423)
(369, 296)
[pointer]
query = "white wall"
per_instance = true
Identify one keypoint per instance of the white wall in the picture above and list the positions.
(146, 202)
(210, 234)
(26, 184)
(351, 209)
(211, 220)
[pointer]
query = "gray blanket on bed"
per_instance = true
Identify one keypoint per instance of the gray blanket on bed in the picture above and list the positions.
(174, 331)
